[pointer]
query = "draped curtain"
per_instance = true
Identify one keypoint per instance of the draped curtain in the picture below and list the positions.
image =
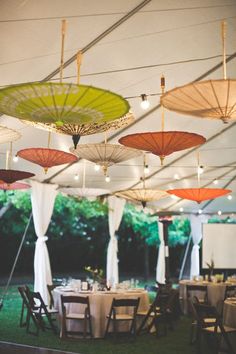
(116, 207)
(42, 199)
(196, 222)
(160, 269)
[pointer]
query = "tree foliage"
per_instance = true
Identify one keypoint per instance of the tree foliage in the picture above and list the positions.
(78, 234)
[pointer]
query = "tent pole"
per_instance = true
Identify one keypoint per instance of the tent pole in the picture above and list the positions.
(15, 261)
(185, 257)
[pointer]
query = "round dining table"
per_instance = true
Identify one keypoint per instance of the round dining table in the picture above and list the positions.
(215, 292)
(100, 304)
(229, 317)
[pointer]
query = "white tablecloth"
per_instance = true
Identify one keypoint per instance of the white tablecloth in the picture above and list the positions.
(100, 304)
(215, 292)
(229, 314)
(229, 318)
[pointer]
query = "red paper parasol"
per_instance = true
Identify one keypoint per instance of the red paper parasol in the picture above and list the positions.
(46, 157)
(11, 176)
(199, 194)
(14, 186)
(162, 143)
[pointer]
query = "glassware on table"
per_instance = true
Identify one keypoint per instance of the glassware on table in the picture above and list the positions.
(63, 282)
(136, 283)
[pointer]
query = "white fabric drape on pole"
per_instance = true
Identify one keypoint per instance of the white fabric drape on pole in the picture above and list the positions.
(161, 264)
(42, 199)
(116, 207)
(196, 222)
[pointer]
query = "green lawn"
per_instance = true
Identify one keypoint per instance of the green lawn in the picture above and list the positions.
(176, 342)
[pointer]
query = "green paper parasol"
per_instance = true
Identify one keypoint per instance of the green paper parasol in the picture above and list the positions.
(60, 103)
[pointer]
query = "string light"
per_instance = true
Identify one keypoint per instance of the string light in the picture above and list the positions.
(215, 182)
(146, 169)
(229, 197)
(76, 177)
(176, 176)
(107, 179)
(145, 104)
(181, 209)
(96, 167)
(15, 158)
(200, 170)
(199, 211)
(219, 212)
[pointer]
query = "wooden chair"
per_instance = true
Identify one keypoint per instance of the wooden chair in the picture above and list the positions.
(24, 308)
(202, 292)
(149, 316)
(115, 316)
(230, 291)
(209, 322)
(50, 289)
(191, 294)
(28, 310)
(43, 315)
(163, 311)
(84, 316)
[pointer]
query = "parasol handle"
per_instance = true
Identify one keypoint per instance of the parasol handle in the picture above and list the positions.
(79, 62)
(198, 169)
(162, 107)
(223, 33)
(63, 33)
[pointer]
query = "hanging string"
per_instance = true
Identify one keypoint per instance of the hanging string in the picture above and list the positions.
(79, 62)
(223, 33)
(162, 107)
(49, 138)
(144, 162)
(63, 32)
(105, 138)
(10, 155)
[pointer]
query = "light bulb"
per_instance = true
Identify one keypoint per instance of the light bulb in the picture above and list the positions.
(176, 176)
(181, 209)
(200, 170)
(174, 197)
(146, 169)
(199, 211)
(76, 177)
(219, 212)
(96, 167)
(107, 179)
(15, 158)
(145, 104)
(229, 197)
(215, 182)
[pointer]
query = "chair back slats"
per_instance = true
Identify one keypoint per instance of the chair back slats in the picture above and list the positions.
(198, 291)
(125, 302)
(75, 299)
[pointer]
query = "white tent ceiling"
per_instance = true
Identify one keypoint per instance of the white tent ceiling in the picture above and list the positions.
(180, 39)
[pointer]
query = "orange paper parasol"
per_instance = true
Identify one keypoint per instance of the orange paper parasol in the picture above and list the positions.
(162, 143)
(46, 157)
(199, 194)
